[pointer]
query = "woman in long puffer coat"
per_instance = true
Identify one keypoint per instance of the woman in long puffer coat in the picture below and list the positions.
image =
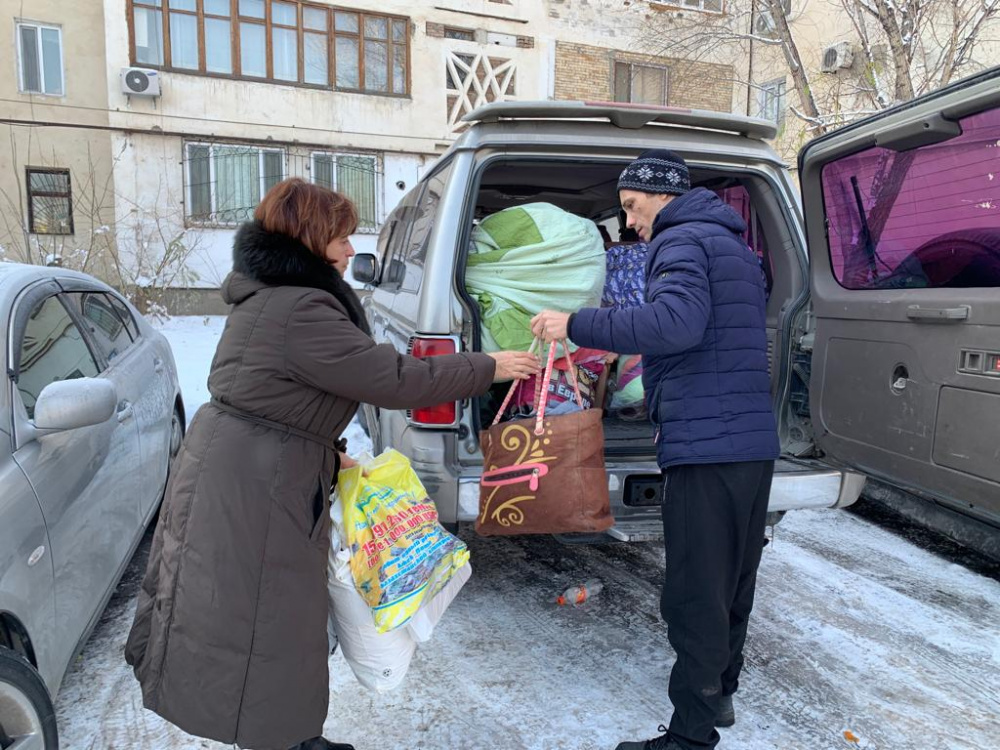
(229, 640)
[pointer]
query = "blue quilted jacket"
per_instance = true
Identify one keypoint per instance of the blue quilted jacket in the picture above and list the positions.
(701, 334)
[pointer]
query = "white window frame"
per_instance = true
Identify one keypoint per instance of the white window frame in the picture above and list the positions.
(698, 6)
(21, 83)
(379, 201)
(664, 93)
(778, 91)
(213, 220)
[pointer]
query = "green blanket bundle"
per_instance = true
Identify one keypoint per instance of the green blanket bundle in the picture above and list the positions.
(527, 259)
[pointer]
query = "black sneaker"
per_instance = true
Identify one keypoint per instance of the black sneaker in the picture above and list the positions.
(663, 742)
(321, 743)
(725, 715)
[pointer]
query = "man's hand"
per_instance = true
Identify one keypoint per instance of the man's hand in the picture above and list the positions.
(550, 325)
(346, 462)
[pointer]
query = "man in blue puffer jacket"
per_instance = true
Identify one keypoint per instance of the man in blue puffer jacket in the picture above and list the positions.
(701, 334)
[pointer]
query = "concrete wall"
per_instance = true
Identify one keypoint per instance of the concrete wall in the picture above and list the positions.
(87, 153)
(224, 108)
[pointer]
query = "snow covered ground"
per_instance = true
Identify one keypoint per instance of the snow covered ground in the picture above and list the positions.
(860, 638)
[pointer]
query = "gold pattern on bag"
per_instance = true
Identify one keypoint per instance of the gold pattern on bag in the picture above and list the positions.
(513, 438)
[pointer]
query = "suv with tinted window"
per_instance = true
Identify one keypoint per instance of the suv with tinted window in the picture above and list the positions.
(883, 317)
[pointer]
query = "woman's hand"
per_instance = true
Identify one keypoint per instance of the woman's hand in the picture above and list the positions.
(550, 325)
(514, 366)
(346, 462)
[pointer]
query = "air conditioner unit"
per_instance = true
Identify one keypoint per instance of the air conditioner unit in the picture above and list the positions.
(764, 25)
(837, 57)
(140, 82)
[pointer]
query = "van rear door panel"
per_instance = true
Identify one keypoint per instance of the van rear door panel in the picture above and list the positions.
(903, 224)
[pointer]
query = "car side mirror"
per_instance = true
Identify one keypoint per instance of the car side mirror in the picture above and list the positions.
(71, 404)
(364, 268)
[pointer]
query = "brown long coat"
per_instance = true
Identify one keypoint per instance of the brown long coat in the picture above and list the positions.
(229, 640)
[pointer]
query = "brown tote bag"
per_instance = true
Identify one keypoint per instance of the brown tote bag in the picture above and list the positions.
(544, 475)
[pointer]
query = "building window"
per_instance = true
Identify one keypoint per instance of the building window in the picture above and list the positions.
(709, 6)
(283, 41)
(354, 175)
(50, 201)
(40, 63)
(771, 101)
(641, 84)
(371, 52)
(465, 35)
(147, 32)
(226, 182)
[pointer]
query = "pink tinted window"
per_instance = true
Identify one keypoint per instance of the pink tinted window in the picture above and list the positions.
(928, 217)
(738, 199)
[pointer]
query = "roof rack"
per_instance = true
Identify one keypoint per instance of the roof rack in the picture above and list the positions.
(626, 116)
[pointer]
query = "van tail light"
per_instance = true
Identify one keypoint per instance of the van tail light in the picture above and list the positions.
(439, 414)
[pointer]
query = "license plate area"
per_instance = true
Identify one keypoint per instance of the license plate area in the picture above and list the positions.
(643, 490)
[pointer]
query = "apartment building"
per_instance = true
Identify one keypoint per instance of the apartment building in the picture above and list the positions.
(137, 134)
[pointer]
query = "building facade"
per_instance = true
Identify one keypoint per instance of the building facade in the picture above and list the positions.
(137, 134)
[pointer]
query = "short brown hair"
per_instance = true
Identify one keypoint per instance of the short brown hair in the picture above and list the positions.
(312, 214)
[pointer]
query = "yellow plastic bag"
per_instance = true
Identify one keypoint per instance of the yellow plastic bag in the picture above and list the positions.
(400, 555)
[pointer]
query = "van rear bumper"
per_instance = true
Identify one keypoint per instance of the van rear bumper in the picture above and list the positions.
(823, 488)
(635, 489)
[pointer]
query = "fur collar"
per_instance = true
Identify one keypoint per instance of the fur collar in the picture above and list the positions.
(279, 260)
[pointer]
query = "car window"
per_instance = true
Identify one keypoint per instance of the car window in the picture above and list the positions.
(394, 238)
(738, 198)
(125, 314)
(52, 349)
(921, 218)
(104, 323)
(415, 215)
(414, 250)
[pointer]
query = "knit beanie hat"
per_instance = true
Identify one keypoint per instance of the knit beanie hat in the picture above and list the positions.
(656, 171)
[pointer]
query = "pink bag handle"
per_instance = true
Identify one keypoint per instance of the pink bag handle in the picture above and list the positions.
(541, 399)
(513, 389)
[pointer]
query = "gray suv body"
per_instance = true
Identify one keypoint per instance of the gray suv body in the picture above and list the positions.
(885, 359)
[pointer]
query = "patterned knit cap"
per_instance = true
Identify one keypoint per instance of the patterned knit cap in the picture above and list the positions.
(656, 171)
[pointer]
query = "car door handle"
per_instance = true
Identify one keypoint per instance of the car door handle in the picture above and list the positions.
(157, 365)
(938, 314)
(125, 411)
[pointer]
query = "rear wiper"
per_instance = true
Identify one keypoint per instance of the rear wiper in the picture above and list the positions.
(866, 234)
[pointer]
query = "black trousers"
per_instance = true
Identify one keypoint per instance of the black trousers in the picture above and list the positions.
(713, 523)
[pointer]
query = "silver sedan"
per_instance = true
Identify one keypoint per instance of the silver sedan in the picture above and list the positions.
(90, 416)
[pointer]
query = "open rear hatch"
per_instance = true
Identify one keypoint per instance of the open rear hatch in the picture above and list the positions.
(587, 187)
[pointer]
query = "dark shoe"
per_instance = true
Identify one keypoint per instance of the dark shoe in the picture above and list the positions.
(725, 716)
(320, 743)
(663, 742)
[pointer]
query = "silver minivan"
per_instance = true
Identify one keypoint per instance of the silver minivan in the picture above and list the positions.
(884, 289)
